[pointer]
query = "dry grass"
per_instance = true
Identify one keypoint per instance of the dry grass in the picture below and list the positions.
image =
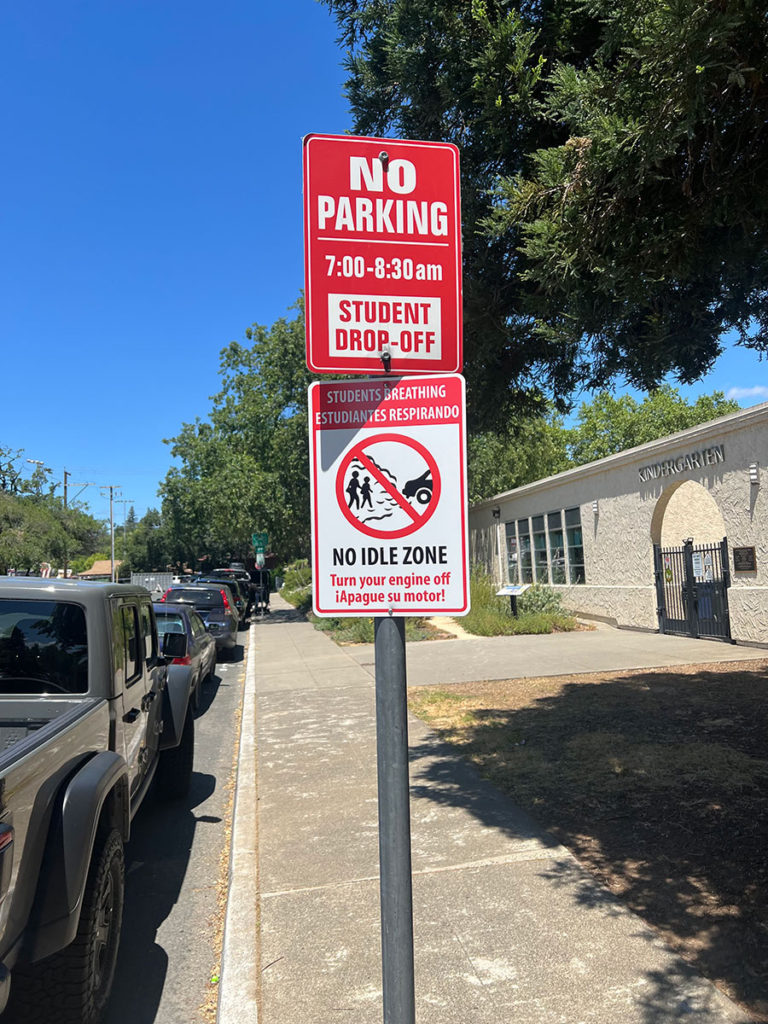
(657, 780)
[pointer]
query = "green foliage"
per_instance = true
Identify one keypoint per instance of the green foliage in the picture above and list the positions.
(297, 575)
(613, 160)
(608, 425)
(492, 616)
(540, 599)
(360, 629)
(644, 226)
(527, 450)
(531, 449)
(247, 468)
(147, 545)
(35, 526)
(297, 585)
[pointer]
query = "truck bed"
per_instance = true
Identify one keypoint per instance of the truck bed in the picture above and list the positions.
(22, 719)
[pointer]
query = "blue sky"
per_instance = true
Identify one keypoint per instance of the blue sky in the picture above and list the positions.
(151, 188)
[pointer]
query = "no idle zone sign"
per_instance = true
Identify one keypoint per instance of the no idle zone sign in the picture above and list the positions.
(389, 496)
(382, 259)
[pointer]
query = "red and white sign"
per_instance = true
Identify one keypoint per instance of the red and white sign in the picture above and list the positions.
(382, 255)
(389, 496)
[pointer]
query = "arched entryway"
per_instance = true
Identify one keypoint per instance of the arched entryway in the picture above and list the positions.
(690, 553)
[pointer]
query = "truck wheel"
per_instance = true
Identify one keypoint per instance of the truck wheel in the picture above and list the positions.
(174, 771)
(73, 986)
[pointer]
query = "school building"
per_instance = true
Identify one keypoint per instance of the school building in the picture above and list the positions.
(670, 536)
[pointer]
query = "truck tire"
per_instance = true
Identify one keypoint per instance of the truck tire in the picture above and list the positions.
(73, 985)
(174, 771)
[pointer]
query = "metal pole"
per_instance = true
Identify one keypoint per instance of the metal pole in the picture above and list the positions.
(112, 531)
(66, 551)
(394, 822)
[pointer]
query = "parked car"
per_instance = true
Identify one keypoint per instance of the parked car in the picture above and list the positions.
(241, 594)
(199, 663)
(215, 604)
(242, 576)
(88, 717)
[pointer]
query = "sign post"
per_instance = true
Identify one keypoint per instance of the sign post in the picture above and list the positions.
(382, 249)
(389, 539)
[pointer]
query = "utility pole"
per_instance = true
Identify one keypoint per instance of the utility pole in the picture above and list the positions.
(111, 488)
(88, 483)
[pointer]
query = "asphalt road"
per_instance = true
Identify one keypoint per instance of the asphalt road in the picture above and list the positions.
(167, 948)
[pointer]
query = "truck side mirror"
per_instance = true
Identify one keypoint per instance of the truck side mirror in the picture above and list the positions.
(174, 645)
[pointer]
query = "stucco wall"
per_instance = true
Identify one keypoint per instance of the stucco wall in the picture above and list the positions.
(691, 512)
(650, 494)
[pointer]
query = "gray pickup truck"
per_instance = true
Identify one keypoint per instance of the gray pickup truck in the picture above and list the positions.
(88, 717)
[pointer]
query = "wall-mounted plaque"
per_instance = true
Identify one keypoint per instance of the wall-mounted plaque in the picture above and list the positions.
(744, 560)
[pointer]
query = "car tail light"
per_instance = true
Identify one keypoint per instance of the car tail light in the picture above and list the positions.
(186, 660)
(224, 595)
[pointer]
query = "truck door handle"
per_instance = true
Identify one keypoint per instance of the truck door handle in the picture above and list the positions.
(132, 715)
(147, 699)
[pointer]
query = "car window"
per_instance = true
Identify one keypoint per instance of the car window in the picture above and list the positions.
(169, 622)
(132, 660)
(200, 598)
(150, 640)
(43, 647)
(198, 629)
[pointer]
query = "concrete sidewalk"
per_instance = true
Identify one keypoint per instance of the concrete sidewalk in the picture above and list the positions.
(508, 928)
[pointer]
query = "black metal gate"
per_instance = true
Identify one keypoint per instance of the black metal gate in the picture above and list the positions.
(692, 590)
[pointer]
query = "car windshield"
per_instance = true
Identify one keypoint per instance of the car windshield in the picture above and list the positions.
(43, 647)
(169, 622)
(199, 598)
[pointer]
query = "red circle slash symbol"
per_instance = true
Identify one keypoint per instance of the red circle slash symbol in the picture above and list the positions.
(388, 486)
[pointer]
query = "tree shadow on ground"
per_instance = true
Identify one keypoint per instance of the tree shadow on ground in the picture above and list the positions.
(279, 616)
(657, 781)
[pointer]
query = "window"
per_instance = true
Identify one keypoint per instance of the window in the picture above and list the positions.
(511, 552)
(524, 535)
(556, 546)
(576, 572)
(150, 644)
(131, 640)
(43, 647)
(541, 571)
(200, 598)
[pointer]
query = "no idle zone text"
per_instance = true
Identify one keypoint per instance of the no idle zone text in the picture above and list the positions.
(431, 554)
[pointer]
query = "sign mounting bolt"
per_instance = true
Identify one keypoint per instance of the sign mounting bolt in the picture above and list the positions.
(384, 157)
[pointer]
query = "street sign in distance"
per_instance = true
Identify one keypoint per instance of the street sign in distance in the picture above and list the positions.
(389, 496)
(260, 543)
(382, 255)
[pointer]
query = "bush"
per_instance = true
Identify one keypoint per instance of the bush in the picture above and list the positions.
(297, 585)
(360, 630)
(297, 575)
(540, 610)
(541, 599)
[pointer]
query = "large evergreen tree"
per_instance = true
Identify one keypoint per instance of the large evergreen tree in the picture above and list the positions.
(613, 154)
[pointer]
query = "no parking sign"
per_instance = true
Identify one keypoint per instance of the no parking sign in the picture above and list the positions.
(389, 496)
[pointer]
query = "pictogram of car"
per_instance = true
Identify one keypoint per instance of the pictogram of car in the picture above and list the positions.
(420, 488)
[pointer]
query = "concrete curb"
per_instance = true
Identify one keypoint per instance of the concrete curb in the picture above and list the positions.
(239, 982)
